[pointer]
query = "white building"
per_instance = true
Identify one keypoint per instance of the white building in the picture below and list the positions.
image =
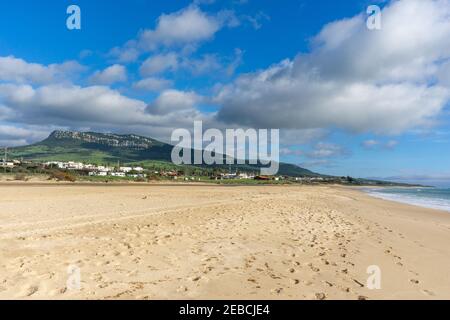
(75, 165)
(118, 174)
(99, 173)
(7, 164)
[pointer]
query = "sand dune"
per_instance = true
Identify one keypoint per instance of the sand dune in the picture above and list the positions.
(215, 242)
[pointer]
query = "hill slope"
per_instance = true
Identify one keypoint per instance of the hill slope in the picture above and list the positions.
(103, 148)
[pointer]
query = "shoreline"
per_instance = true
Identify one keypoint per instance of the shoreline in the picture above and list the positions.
(209, 242)
(422, 202)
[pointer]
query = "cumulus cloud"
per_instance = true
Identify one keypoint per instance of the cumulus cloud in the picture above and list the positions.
(171, 101)
(256, 21)
(99, 108)
(369, 144)
(152, 84)
(327, 150)
(110, 75)
(373, 144)
(383, 81)
(13, 69)
(46, 107)
(11, 136)
(207, 63)
(70, 104)
(187, 27)
(159, 63)
(291, 152)
(210, 64)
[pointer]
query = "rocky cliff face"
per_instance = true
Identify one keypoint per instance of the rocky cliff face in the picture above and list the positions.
(108, 139)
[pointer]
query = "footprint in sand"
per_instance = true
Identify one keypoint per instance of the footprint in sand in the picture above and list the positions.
(320, 296)
(277, 290)
(31, 290)
(428, 292)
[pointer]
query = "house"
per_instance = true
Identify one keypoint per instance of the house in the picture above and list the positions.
(228, 176)
(7, 164)
(75, 165)
(118, 174)
(104, 169)
(125, 169)
(137, 175)
(246, 176)
(98, 173)
(58, 164)
(89, 167)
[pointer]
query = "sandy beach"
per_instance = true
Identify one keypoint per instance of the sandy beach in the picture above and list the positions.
(217, 242)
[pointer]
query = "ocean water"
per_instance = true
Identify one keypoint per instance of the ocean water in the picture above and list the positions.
(425, 197)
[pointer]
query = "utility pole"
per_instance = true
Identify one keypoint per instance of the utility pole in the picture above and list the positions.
(5, 160)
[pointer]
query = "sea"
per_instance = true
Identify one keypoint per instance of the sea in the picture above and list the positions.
(435, 198)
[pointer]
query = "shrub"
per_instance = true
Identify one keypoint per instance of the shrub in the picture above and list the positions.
(62, 176)
(20, 177)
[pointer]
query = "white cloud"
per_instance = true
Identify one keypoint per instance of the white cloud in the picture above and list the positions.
(360, 80)
(326, 150)
(443, 74)
(291, 152)
(185, 28)
(11, 136)
(369, 144)
(207, 64)
(18, 70)
(159, 63)
(189, 25)
(372, 144)
(127, 53)
(256, 20)
(152, 84)
(70, 104)
(235, 62)
(110, 75)
(171, 101)
(204, 65)
(98, 108)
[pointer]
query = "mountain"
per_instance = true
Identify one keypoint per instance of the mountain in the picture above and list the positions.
(106, 148)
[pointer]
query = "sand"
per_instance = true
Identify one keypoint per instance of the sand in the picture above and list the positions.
(217, 242)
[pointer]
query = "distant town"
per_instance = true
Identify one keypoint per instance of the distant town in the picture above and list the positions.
(74, 170)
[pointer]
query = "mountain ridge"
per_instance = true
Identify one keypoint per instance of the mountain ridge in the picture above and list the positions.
(97, 147)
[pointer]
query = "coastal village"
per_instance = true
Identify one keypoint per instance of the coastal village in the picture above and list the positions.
(60, 144)
(139, 172)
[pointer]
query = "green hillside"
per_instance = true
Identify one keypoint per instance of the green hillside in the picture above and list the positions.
(99, 148)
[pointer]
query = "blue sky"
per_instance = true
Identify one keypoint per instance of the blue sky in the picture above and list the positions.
(348, 101)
